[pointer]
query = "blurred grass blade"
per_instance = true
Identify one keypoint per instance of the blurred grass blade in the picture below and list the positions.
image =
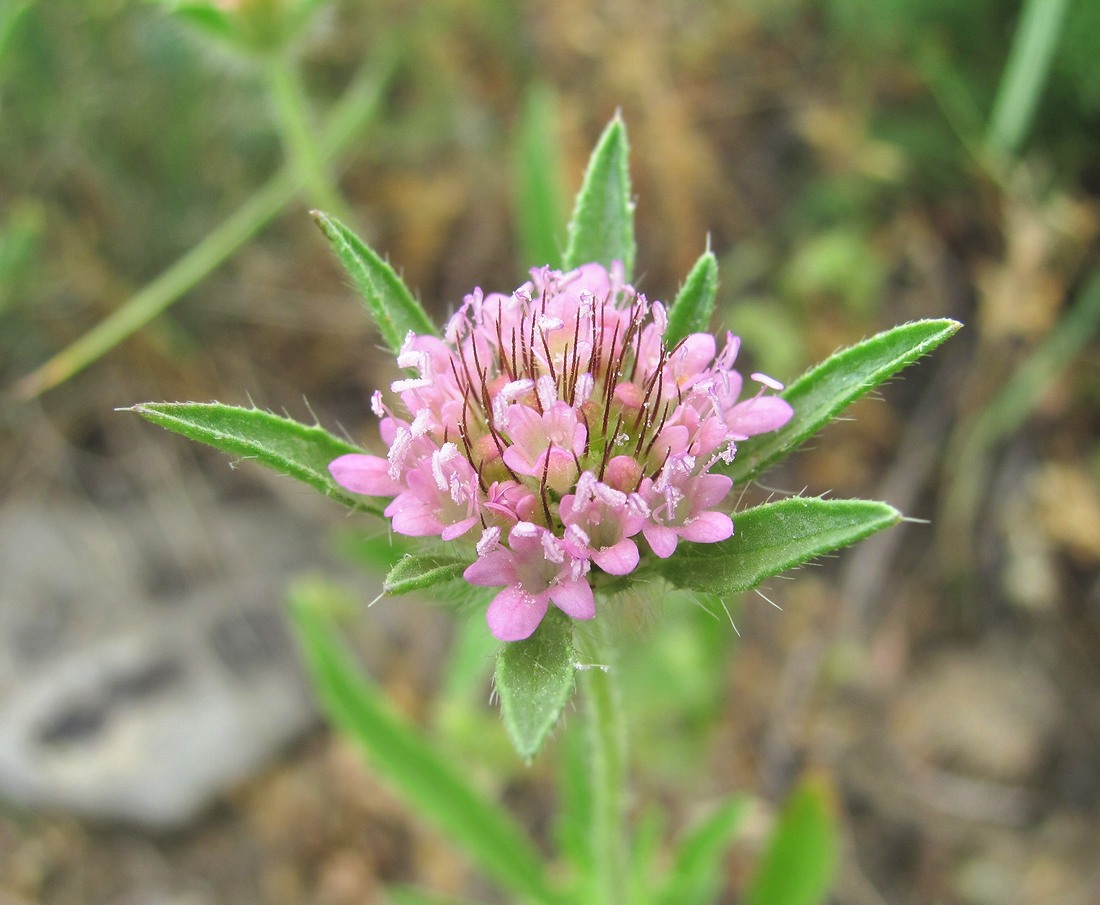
(602, 227)
(798, 865)
(535, 679)
(694, 304)
(968, 459)
(573, 821)
(11, 15)
(820, 394)
(538, 192)
(407, 761)
(772, 538)
(289, 447)
(645, 854)
(417, 571)
(696, 868)
(355, 109)
(1025, 74)
(211, 19)
(388, 299)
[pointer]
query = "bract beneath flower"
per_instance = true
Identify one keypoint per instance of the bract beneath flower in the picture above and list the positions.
(556, 430)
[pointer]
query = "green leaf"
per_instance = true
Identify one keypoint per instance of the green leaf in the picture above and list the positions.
(407, 760)
(798, 865)
(696, 868)
(287, 446)
(388, 299)
(602, 228)
(538, 193)
(534, 679)
(820, 394)
(416, 571)
(772, 538)
(209, 18)
(12, 14)
(694, 304)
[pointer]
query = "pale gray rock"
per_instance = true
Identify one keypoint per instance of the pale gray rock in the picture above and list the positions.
(141, 674)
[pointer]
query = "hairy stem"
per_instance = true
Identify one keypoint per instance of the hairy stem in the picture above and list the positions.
(607, 764)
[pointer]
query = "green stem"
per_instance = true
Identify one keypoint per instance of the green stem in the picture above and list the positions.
(359, 104)
(607, 760)
(299, 136)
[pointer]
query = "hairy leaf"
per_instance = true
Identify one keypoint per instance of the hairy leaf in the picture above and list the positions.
(534, 679)
(602, 228)
(694, 304)
(289, 447)
(820, 394)
(772, 538)
(388, 299)
(416, 571)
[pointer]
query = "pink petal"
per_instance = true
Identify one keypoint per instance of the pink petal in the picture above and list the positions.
(458, 528)
(413, 517)
(518, 461)
(662, 540)
(514, 615)
(364, 474)
(491, 570)
(574, 598)
(693, 356)
(758, 415)
(620, 559)
(707, 528)
(525, 428)
(709, 489)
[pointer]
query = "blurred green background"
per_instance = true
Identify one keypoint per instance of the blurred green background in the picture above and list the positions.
(854, 165)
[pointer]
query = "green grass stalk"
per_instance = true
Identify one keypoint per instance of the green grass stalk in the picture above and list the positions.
(351, 115)
(1025, 75)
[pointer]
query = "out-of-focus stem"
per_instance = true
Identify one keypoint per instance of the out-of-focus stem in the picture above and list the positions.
(299, 136)
(352, 113)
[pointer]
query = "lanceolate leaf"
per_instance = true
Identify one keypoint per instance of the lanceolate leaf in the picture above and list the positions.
(798, 864)
(694, 303)
(820, 394)
(534, 679)
(392, 306)
(414, 572)
(408, 762)
(299, 450)
(602, 228)
(772, 538)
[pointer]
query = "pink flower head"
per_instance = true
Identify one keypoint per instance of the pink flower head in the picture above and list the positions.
(556, 425)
